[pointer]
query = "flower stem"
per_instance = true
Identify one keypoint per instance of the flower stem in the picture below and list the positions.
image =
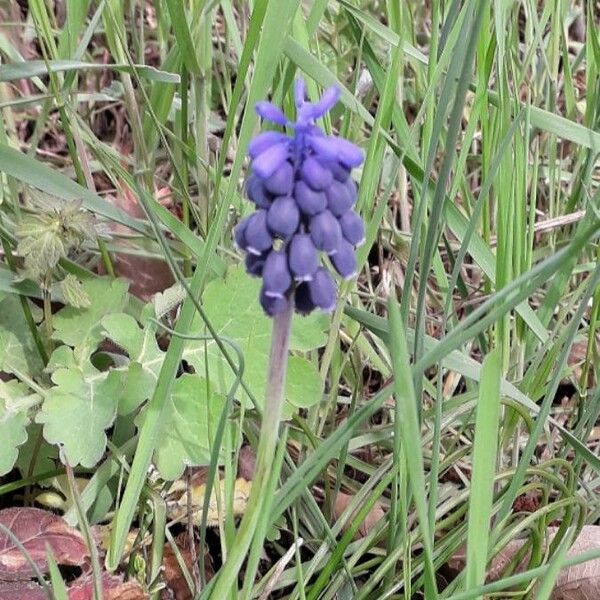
(267, 443)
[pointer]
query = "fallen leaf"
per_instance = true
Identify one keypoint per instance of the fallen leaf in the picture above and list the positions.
(19, 590)
(247, 463)
(113, 588)
(373, 517)
(36, 529)
(579, 582)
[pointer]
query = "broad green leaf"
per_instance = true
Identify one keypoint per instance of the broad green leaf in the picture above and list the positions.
(18, 352)
(74, 293)
(15, 401)
(145, 357)
(45, 453)
(232, 306)
(81, 327)
(79, 408)
(189, 429)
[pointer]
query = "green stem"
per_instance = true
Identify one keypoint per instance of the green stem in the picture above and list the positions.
(266, 452)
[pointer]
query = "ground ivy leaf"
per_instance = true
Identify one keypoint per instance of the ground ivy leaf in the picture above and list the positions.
(80, 327)
(304, 386)
(15, 401)
(17, 348)
(145, 356)
(232, 306)
(185, 439)
(79, 408)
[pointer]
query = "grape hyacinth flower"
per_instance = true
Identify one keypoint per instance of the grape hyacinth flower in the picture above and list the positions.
(304, 195)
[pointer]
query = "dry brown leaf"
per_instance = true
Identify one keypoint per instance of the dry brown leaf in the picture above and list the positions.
(19, 590)
(247, 463)
(147, 275)
(579, 582)
(373, 517)
(36, 529)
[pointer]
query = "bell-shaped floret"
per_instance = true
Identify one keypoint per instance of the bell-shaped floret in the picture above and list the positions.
(325, 232)
(257, 236)
(283, 217)
(339, 198)
(255, 263)
(339, 171)
(272, 305)
(255, 190)
(303, 258)
(239, 234)
(344, 260)
(266, 163)
(322, 290)
(334, 148)
(309, 201)
(353, 228)
(281, 182)
(315, 174)
(276, 274)
(264, 141)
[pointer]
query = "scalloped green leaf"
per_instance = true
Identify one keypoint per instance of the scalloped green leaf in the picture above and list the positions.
(15, 401)
(188, 432)
(231, 304)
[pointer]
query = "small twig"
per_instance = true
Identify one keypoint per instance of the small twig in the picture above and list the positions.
(190, 530)
(279, 568)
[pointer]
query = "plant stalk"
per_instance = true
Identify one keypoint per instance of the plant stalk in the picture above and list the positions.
(267, 443)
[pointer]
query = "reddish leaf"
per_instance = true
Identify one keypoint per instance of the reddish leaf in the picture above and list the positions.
(36, 529)
(18, 590)
(112, 586)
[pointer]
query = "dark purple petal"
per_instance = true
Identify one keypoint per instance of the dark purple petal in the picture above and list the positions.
(299, 92)
(276, 274)
(263, 141)
(257, 236)
(283, 217)
(254, 264)
(353, 228)
(316, 175)
(339, 198)
(309, 201)
(302, 300)
(334, 148)
(325, 232)
(327, 102)
(281, 182)
(266, 163)
(322, 290)
(272, 305)
(352, 188)
(255, 190)
(272, 113)
(239, 234)
(339, 171)
(303, 257)
(344, 260)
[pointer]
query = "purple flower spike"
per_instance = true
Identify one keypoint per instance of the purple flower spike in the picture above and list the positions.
(304, 194)
(303, 257)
